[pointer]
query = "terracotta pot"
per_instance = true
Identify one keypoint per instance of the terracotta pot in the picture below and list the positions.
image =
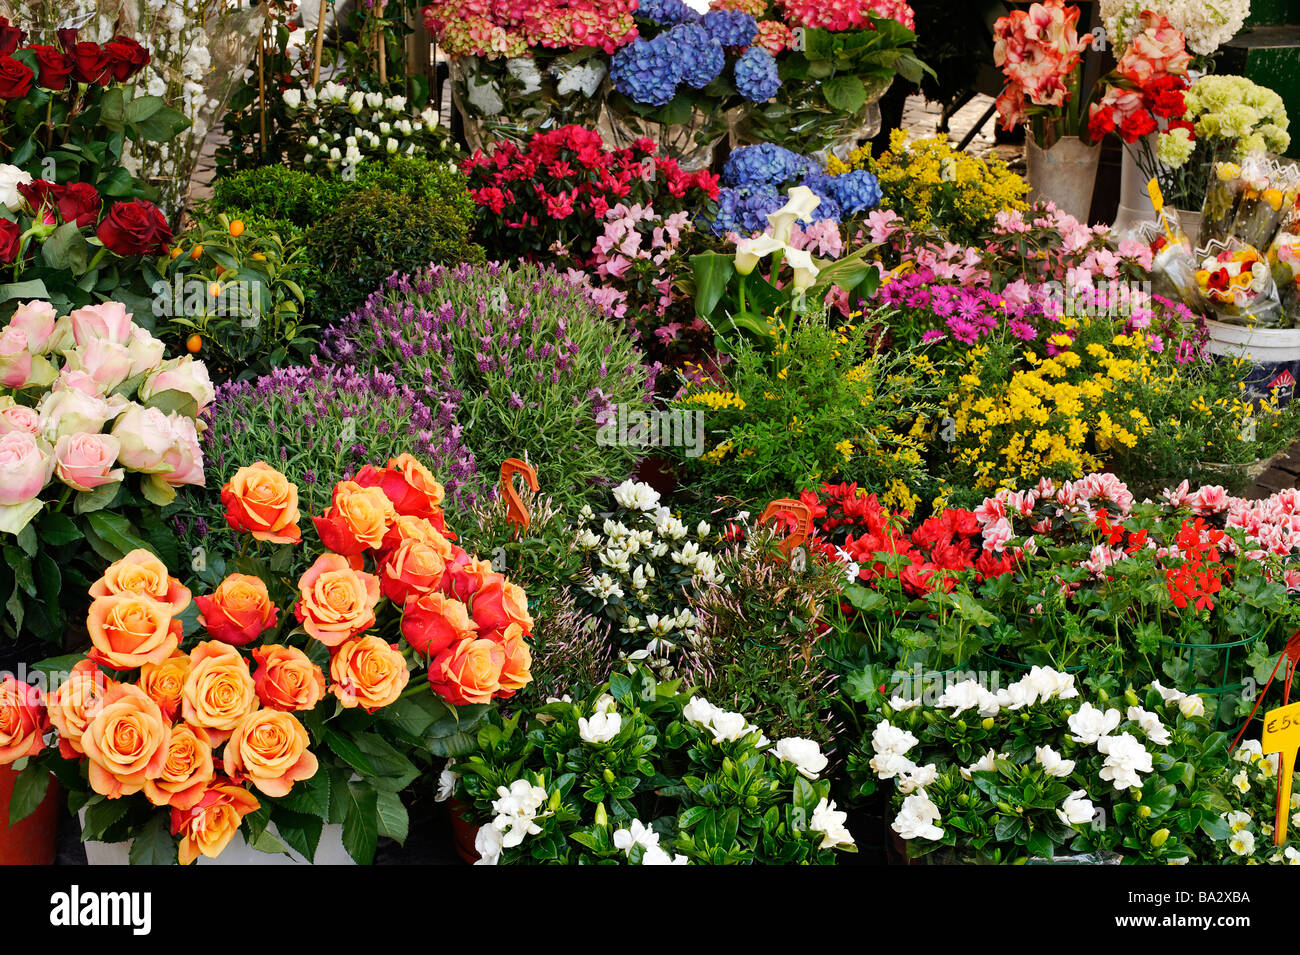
(1064, 174)
(463, 829)
(32, 841)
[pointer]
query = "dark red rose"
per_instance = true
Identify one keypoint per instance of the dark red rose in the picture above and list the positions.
(55, 68)
(78, 202)
(92, 63)
(10, 37)
(16, 78)
(134, 228)
(126, 57)
(9, 233)
(67, 39)
(38, 193)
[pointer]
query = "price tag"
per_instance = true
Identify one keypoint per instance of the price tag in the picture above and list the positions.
(1282, 736)
(516, 512)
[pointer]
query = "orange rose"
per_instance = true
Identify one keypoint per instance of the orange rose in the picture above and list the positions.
(164, 682)
(186, 773)
(465, 578)
(408, 484)
(414, 567)
(238, 611)
(218, 691)
(75, 703)
(498, 603)
(368, 673)
(207, 828)
(23, 721)
(516, 672)
(126, 743)
(433, 622)
(336, 602)
(357, 519)
(269, 749)
(405, 527)
(286, 679)
(468, 672)
(143, 574)
(129, 631)
(260, 500)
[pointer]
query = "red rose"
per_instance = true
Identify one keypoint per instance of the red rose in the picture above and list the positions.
(10, 37)
(9, 233)
(78, 202)
(55, 67)
(39, 193)
(126, 57)
(16, 78)
(92, 63)
(134, 228)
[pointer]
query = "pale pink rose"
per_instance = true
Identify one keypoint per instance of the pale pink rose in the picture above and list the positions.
(184, 456)
(108, 363)
(25, 468)
(185, 375)
(37, 319)
(15, 357)
(85, 461)
(69, 411)
(61, 339)
(108, 320)
(146, 351)
(14, 417)
(72, 380)
(146, 436)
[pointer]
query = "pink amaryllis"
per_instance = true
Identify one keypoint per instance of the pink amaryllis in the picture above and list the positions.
(1039, 51)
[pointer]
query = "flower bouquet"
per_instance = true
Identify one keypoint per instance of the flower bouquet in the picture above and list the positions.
(521, 67)
(1236, 283)
(1249, 200)
(1173, 260)
(83, 400)
(1284, 260)
(270, 722)
(339, 129)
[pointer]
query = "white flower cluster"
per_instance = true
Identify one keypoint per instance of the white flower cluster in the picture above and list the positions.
(726, 727)
(603, 724)
(638, 834)
(1205, 24)
(347, 127)
(1242, 838)
(642, 557)
(517, 811)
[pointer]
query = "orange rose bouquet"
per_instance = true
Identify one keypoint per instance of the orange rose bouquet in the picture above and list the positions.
(196, 718)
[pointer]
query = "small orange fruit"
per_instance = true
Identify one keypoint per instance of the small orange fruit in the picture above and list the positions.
(175, 253)
(259, 257)
(236, 228)
(194, 343)
(214, 289)
(196, 253)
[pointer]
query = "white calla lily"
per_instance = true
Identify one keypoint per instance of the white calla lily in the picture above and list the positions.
(750, 251)
(801, 203)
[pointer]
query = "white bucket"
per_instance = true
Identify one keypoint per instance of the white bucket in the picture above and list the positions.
(1274, 353)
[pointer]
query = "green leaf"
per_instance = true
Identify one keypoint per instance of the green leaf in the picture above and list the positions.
(154, 843)
(66, 248)
(25, 290)
(98, 499)
(361, 822)
(116, 531)
(712, 272)
(173, 400)
(300, 831)
(141, 108)
(310, 796)
(21, 566)
(394, 822)
(29, 790)
(265, 842)
(347, 751)
(845, 93)
(100, 815)
(57, 529)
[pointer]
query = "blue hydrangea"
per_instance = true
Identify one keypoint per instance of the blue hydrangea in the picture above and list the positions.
(730, 27)
(744, 209)
(763, 163)
(856, 191)
(823, 186)
(700, 58)
(646, 71)
(756, 76)
(666, 12)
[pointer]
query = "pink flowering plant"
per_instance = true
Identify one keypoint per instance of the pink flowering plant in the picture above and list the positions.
(97, 431)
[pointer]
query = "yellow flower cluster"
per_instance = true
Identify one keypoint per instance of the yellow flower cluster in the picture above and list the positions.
(1061, 416)
(716, 400)
(927, 182)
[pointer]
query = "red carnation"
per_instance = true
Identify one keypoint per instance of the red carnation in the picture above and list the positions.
(1136, 126)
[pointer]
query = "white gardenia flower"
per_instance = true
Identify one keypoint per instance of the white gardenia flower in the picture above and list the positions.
(517, 809)
(968, 694)
(1048, 683)
(292, 98)
(1077, 809)
(1168, 694)
(915, 778)
(728, 727)
(1126, 757)
(898, 704)
(886, 738)
(983, 765)
(1192, 706)
(1091, 724)
(488, 843)
(828, 823)
(600, 728)
(636, 834)
(699, 711)
(447, 780)
(11, 177)
(917, 817)
(636, 496)
(1017, 696)
(888, 765)
(1150, 724)
(804, 754)
(657, 856)
(1242, 843)
(604, 704)
(1052, 762)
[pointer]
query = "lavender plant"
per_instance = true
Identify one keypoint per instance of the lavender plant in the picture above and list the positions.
(520, 357)
(318, 424)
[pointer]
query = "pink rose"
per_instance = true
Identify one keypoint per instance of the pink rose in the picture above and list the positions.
(108, 320)
(25, 468)
(69, 411)
(15, 417)
(146, 351)
(107, 362)
(37, 319)
(85, 461)
(145, 435)
(72, 380)
(15, 357)
(185, 375)
(184, 457)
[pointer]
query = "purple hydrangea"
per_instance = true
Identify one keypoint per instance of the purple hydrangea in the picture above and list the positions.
(666, 12)
(646, 71)
(756, 75)
(730, 27)
(763, 164)
(744, 209)
(700, 58)
(855, 191)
